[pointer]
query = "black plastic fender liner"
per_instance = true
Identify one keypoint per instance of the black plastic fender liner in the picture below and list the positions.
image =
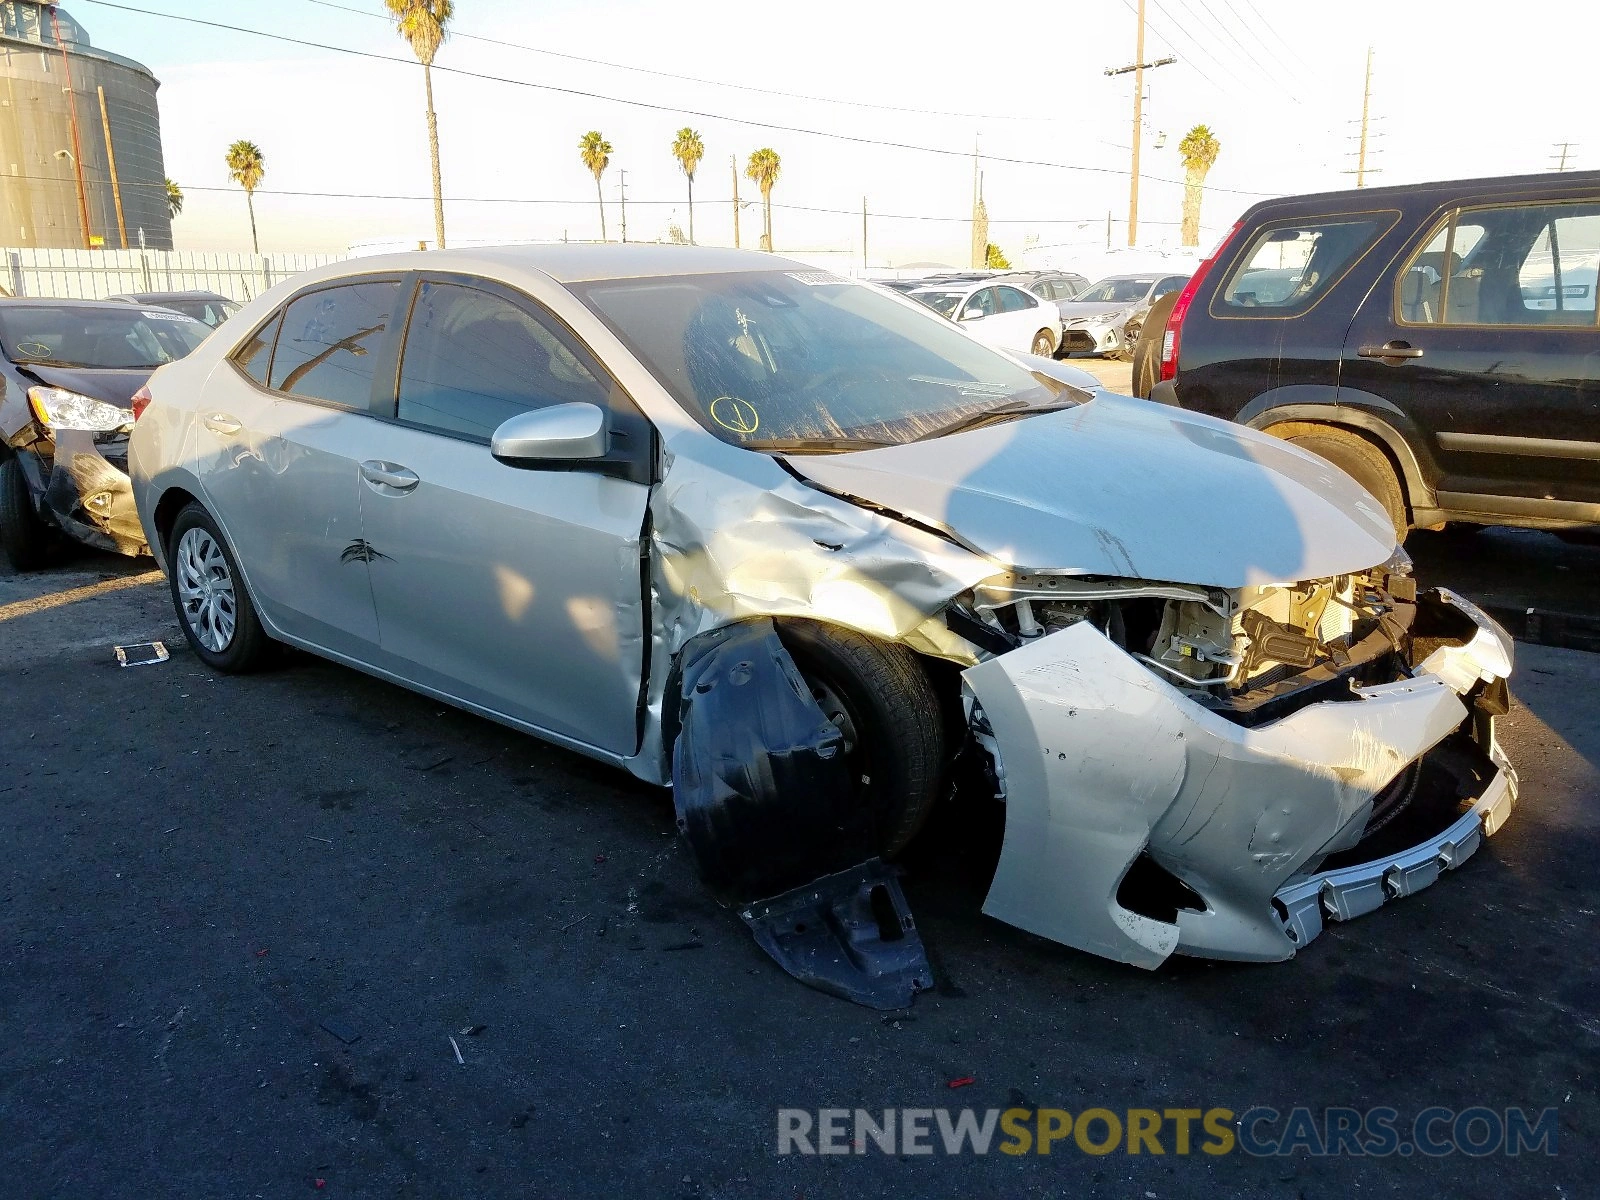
(766, 801)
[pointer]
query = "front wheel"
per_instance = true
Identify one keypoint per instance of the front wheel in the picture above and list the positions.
(23, 536)
(1130, 339)
(879, 697)
(213, 606)
(1043, 344)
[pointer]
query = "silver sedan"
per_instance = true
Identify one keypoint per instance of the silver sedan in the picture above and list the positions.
(789, 544)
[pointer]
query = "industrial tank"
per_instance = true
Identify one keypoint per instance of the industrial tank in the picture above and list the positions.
(43, 163)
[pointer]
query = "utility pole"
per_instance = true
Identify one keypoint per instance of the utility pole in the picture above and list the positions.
(863, 233)
(1138, 67)
(111, 159)
(77, 146)
(1563, 151)
(733, 161)
(1366, 108)
(622, 190)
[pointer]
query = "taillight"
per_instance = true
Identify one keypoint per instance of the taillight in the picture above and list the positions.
(1174, 333)
(140, 402)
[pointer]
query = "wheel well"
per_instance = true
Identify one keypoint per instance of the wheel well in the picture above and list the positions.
(173, 501)
(1287, 429)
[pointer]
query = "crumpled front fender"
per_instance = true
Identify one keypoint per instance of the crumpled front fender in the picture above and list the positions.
(1104, 761)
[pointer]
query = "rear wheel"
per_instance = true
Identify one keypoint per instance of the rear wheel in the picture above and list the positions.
(213, 606)
(1043, 344)
(1357, 458)
(23, 536)
(1147, 347)
(880, 698)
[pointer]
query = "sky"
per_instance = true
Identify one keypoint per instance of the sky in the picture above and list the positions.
(1457, 90)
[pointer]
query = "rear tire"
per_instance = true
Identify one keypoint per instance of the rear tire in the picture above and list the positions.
(1357, 458)
(210, 597)
(1043, 344)
(24, 538)
(890, 715)
(1147, 350)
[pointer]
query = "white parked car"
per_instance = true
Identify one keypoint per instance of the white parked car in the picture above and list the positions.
(998, 315)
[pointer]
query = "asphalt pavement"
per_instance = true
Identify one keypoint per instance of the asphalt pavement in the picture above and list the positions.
(304, 932)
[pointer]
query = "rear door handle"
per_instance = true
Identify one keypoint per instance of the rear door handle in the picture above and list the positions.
(389, 475)
(1394, 350)
(219, 422)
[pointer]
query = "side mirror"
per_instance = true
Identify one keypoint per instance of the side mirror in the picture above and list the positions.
(562, 432)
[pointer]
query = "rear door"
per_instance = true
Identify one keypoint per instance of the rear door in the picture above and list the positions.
(1487, 339)
(520, 591)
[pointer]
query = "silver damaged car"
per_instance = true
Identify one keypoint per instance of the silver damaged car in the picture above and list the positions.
(788, 544)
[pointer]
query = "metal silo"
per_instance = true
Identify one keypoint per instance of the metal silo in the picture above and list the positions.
(45, 162)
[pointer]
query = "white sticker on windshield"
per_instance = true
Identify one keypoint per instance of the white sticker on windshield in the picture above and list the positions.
(162, 316)
(817, 278)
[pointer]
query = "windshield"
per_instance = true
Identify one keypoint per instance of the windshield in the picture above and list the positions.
(1116, 291)
(207, 312)
(111, 338)
(943, 303)
(806, 361)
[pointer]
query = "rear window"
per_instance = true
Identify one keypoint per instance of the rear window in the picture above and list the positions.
(1289, 267)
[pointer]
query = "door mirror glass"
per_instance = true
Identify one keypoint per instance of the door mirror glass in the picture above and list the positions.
(559, 433)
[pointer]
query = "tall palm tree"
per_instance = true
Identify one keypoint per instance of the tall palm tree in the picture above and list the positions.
(1199, 150)
(688, 149)
(762, 170)
(174, 199)
(422, 23)
(596, 154)
(246, 166)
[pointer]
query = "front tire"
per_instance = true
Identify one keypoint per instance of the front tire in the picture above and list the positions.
(23, 536)
(1043, 344)
(208, 592)
(880, 698)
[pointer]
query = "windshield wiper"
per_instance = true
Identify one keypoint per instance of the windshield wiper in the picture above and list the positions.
(1003, 412)
(817, 445)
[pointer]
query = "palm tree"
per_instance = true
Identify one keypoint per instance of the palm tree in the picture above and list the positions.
(422, 23)
(762, 170)
(596, 154)
(174, 199)
(246, 166)
(688, 149)
(1199, 150)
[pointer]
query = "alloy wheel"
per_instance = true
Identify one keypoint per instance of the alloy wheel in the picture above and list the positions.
(206, 590)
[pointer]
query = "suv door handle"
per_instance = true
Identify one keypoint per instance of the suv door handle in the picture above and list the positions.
(389, 475)
(222, 423)
(1395, 350)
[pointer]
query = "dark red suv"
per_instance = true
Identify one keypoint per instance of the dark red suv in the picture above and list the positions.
(1438, 341)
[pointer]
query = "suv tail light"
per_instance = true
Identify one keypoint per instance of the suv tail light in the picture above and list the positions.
(140, 402)
(1174, 332)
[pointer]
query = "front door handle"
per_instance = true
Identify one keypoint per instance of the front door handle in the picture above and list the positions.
(389, 475)
(1391, 350)
(219, 422)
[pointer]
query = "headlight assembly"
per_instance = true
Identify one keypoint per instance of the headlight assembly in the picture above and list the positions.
(57, 408)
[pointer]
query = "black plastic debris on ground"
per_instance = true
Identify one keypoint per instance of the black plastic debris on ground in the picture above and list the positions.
(766, 801)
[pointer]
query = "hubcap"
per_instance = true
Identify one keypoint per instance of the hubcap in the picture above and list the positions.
(205, 590)
(1040, 345)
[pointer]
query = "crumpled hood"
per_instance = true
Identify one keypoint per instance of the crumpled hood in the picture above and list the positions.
(1124, 488)
(114, 387)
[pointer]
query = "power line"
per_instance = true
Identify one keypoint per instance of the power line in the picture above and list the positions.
(1278, 37)
(525, 83)
(1172, 44)
(1213, 24)
(738, 87)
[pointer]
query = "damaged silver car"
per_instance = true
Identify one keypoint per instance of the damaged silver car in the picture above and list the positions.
(790, 545)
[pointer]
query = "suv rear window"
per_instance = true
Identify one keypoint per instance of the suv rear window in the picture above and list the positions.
(1289, 267)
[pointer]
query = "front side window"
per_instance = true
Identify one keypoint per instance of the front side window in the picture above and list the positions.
(1516, 265)
(979, 304)
(774, 360)
(329, 340)
(473, 359)
(1288, 268)
(1012, 300)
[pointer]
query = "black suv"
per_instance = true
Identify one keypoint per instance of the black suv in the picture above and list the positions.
(1438, 341)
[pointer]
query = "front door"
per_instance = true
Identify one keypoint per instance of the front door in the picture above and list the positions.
(1487, 340)
(519, 591)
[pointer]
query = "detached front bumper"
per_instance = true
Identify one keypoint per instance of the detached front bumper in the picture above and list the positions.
(85, 491)
(1105, 764)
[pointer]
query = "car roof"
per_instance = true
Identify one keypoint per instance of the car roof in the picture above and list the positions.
(192, 294)
(1371, 197)
(582, 262)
